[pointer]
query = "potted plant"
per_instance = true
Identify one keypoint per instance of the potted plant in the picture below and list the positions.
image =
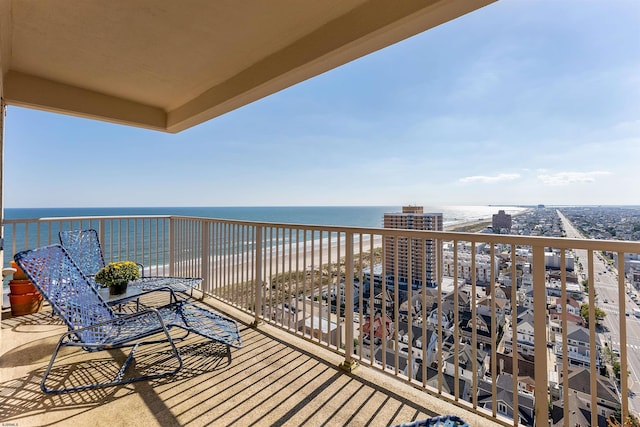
(116, 275)
(24, 297)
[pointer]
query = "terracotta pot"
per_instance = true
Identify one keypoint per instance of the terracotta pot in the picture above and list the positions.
(19, 274)
(21, 287)
(25, 304)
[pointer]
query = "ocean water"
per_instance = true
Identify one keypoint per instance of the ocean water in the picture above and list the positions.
(356, 216)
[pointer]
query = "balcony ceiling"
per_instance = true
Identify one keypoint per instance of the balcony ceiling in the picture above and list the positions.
(169, 65)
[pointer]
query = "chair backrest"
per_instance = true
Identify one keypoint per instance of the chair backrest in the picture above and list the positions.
(84, 248)
(68, 290)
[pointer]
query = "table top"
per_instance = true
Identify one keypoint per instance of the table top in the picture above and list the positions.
(176, 284)
(131, 293)
(136, 288)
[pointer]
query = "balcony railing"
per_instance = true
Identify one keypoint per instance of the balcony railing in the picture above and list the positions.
(329, 285)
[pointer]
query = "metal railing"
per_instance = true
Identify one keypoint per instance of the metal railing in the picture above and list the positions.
(143, 239)
(330, 285)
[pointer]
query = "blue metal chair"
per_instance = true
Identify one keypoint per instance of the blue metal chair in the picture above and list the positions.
(86, 251)
(84, 248)
(94, 326)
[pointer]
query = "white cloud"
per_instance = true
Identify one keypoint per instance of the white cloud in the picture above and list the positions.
(631, 127)
(566, 178)
(490, 179)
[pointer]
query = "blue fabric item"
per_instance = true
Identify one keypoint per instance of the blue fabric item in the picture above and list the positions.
(84, 248)
(442, 421)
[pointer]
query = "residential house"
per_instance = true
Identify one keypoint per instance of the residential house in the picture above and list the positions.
(504, 400)
(526, 369)
(447, 382)
(524, 338)
(578, 343)
(415, 340)
(464, 301)
(579, 415)
(572, 308)
(579, 384)
(484, 304)
(446, 318)
(484, 325)
(464, 362)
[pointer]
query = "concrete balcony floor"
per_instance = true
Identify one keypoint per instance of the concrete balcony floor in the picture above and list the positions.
(274, 379)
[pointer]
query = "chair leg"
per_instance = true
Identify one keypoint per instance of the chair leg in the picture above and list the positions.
(118, 378)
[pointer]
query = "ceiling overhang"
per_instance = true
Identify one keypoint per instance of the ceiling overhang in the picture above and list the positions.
(168, 66)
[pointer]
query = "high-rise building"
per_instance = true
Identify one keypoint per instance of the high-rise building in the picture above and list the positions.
(423, 256)
(501, 221)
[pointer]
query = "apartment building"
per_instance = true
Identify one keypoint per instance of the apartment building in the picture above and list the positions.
(463, 263)
(415, 261)
(501, 221)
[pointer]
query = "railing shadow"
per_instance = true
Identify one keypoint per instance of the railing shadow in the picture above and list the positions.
(22, 397)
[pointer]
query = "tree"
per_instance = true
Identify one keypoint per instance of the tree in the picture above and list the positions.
(616, 418)
(616, 369)
(584, 313)
(608, 355)
(585, 285)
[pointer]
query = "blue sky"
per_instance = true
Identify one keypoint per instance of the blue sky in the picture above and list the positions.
(521, 102)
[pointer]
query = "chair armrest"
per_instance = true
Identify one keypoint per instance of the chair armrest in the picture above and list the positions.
(141, 267)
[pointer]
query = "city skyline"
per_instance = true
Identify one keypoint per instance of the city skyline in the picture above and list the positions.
(518, 103)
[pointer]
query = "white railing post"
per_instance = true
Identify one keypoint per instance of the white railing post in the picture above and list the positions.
(540, 337)
(2, 113)
(624, 385)
(101, 231)
(349, 363)
(172, 247)
(257, 274)
(204, 270)
(593, 346)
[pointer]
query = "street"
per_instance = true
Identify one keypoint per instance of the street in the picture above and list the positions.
(608, 299)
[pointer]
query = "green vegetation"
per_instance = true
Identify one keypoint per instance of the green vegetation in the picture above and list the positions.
(608, 356)
(616, 419)
(616, 368)
(584, 313)
(585, 285)
(313, 282)
(474, 227)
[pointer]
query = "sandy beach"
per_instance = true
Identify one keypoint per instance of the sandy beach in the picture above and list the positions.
(305, 256)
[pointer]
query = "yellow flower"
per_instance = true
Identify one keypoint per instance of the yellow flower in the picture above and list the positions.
(116, 272)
